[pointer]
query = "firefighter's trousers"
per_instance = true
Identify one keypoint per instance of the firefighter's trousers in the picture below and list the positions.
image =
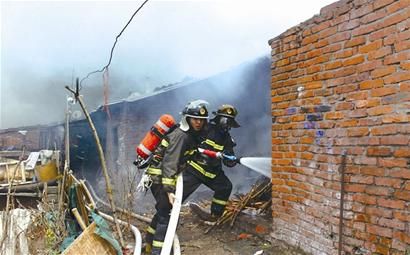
(159, 224)
(220, 184)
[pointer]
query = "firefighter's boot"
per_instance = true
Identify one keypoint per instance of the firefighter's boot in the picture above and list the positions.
(202, 214)
(147, 249)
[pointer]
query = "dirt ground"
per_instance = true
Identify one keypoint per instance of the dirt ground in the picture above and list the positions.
(219, 240)
(224, 240)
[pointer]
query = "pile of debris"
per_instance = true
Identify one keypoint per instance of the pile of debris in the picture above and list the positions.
(256, 202)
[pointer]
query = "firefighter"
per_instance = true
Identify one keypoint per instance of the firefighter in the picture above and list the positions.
(168, 161)
(207, 170)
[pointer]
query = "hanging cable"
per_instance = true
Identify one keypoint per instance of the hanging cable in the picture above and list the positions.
(113, 46)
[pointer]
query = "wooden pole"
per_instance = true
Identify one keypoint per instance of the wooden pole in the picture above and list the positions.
(102, 159)
(79, 219)
(342, 193)
(67, 158)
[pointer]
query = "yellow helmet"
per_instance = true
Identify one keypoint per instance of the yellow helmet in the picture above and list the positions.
(229, 111)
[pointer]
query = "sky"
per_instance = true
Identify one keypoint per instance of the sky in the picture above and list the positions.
(44, 45)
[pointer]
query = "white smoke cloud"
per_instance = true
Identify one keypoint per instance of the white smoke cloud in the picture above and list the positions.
(45, 44)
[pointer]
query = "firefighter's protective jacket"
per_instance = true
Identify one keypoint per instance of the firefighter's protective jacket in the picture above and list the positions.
(219, 140)
(170, 158)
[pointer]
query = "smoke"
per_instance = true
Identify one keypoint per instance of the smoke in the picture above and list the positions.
(44, 45)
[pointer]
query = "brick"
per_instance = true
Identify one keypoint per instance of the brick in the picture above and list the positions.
(398, 5)
(397, 17)
(397, 77)
(320, 27)
(387, 50)
(365, 199)
(371, 46)
(354, 60)
(362, 179)
(313, 69)
(389, 163)
(357, 113)
(344, 54)
(372, 171)
(333, 65)
(358, 131)
(387, 181)
(359, 217)
(361, 95)
(382, 249)
(334, 115)
(407, 185)
(402, 216)
(368, 65)
(313, 85)
(379, 110)
(307, 140)
(355, 41)
(370, 122)
(349, 25)
(347, 123)
(391, 39)
(357, 13)
(402, 152)
(379, 151)
(327, 32)
(380, 34)
(378, 191)
(346, 88)
(369, 84)
(380, 72)
(402, 236)
(397, 58)
(379, 92)
(381, 3)
(404, 35)
(282, 62)
(380, 212)
(373, 16)
(384, 130)
(404, 86)
(343, 36)
(391, 203)
(379, 231)
(400, 173)
(344, 106)
(402, 46)
(405, 65)
(395, 140)
(358, 188)
(396, 99)
(402, 194)
(395, 118)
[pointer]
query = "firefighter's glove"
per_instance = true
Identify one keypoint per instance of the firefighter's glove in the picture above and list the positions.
(229, 160)
(171, 198)
(229, 157)
(142, 163)
(145, 183)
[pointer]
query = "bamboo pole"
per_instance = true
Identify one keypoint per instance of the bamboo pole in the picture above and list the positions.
(79, 218)
(6, 213)
(67, 158)
(102, 159)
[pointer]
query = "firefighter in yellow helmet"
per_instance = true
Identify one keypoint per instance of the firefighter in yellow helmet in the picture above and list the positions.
(207, 169)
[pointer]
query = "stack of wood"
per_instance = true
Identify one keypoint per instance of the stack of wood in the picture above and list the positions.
(258, 199)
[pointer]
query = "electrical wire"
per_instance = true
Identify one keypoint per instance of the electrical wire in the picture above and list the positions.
(113, 46)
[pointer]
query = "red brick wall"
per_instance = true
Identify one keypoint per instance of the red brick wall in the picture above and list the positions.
(341, 81)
